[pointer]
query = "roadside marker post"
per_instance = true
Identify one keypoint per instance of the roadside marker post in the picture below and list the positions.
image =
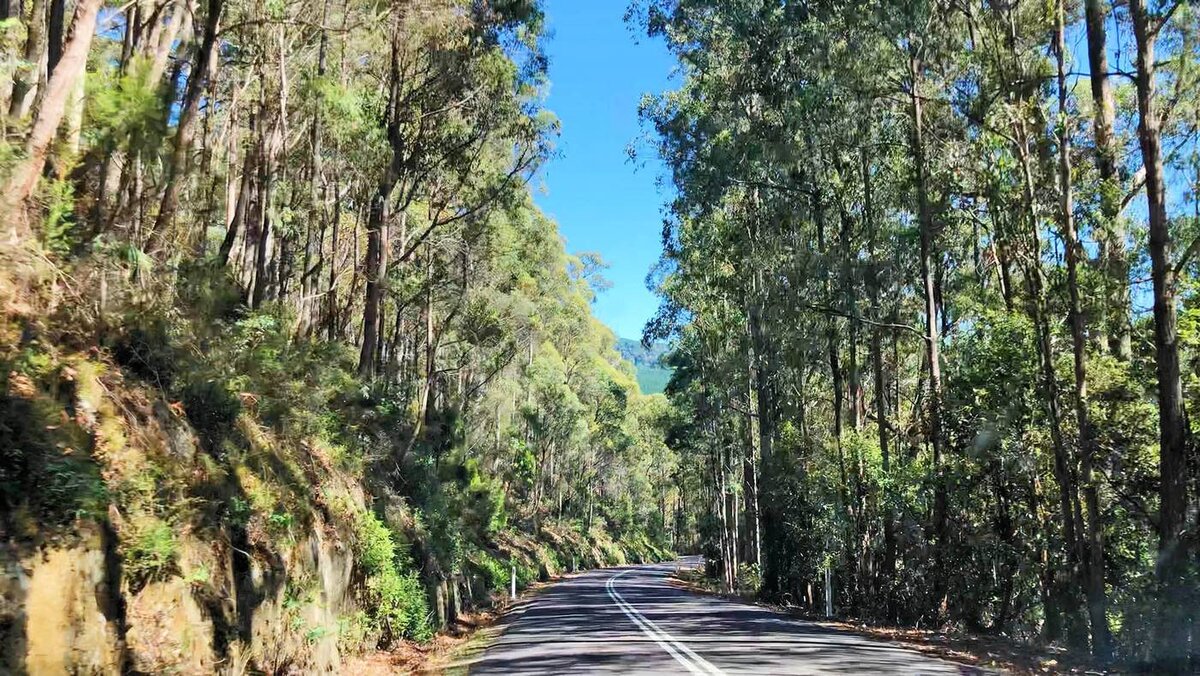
(513, 584)
(828, 592)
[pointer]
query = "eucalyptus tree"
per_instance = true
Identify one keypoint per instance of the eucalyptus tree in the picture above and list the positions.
(913, 189)
(244, 185)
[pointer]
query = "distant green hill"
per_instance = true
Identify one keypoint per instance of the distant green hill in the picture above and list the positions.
(653, 379)
(652, 375)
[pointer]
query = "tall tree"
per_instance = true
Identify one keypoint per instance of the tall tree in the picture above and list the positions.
(1148, 22)
(70, 67)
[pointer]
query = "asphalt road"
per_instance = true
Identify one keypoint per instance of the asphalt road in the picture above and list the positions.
(632, 620)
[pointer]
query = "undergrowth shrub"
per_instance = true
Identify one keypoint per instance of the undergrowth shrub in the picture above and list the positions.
(149, 550)
(749, 579)
(495, 572)
(397, 602)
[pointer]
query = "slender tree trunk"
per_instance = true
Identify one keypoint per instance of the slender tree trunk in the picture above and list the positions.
(1172, 630)
(28, 77)
(888, 566)
(376, 264)
(332, 319)
(854, 402)
(750, 471)
(932, 340)
(765, 410)
(202, 70)
(55, 25)
(262, 277)
(178, 30)
(1066, 586)
(1064, 472)
(374, 272)
(240, 204)
(1094, 570)
(319, 194)
(1111, 233)
(70, 68)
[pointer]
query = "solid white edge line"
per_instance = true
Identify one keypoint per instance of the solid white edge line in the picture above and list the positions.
(635, 614)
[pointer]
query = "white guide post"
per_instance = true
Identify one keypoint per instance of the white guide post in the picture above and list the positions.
(828, 592)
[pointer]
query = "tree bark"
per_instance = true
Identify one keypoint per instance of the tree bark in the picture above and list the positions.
(1094, 570)
(932, 340)
(1111, 234)
(54, 34)
(750, 468)
(58, 90)
(887, 569)
(202, 70)
(376, 262)
(1172, 627)
(1064, 472)
(23, 86)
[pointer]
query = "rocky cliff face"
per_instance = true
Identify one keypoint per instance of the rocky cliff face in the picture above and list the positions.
(66, 611)
(162, 580)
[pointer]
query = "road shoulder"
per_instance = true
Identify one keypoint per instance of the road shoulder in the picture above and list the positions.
(982, 652)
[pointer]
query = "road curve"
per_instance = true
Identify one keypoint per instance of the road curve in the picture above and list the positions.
(631, 620)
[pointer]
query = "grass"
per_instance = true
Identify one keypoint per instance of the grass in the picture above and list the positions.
(149, 549)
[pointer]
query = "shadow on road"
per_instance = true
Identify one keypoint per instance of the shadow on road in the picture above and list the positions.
(575, 627)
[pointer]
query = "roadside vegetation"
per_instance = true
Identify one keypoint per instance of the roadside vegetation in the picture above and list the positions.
(930, 272)
(292, 367)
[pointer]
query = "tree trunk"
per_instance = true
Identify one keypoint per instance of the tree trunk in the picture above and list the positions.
(239, 204)
(1064, 472)
(58, 90)
(55, 24)
(376, 268)
(750, 471)
(1094, 569)
(1172, 630)
(765, 411)
(376, 263)
(888, 566)
(932, 348)
(1066, 586)
(23, 86)
(262, 277)
(202, 70)
(332, 318)
(1111, 234)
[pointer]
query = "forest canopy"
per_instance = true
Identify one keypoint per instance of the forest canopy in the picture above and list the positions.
(930, 271)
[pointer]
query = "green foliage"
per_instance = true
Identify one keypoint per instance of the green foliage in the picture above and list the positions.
(497, 404)
(749, 579)
(396, 598)
(495, 572)
(58, 228)
(125, 109)
(909, 307)
(149, 549)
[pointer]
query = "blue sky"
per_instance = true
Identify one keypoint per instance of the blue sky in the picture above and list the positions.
(602, 201)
